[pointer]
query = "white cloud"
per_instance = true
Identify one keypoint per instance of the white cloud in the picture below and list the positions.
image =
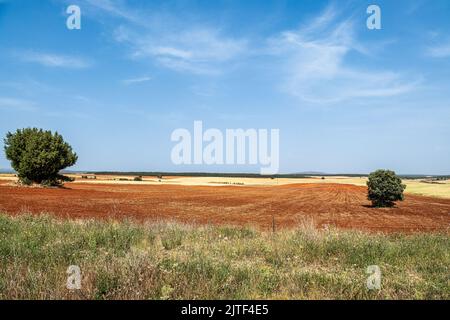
(316, 68)
(54, 60)
(315, 58)
(197, 50)
(156, 36)
(136, 80)
(440, 51)
(118, 9)
(17, 104)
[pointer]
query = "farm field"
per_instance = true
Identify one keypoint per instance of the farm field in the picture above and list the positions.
(441, 189)
(221, 238)
(327, 204)
(237, 151)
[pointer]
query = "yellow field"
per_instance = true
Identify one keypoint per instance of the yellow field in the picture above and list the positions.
(441, 189)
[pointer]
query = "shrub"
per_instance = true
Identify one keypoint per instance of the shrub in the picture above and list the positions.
(384, 188)
(38, 155)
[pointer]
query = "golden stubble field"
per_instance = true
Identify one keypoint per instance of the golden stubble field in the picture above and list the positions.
(413, 186)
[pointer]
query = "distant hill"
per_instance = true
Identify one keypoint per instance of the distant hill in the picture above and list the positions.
(312, 173)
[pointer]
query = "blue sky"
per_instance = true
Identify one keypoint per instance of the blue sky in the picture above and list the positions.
(345, 98)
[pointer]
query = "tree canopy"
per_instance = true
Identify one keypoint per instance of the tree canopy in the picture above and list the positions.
(384, 188)
(38, 156)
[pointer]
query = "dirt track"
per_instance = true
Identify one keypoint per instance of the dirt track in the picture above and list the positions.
(344, 206)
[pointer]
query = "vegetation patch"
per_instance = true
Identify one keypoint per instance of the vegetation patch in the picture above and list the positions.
(130, 260)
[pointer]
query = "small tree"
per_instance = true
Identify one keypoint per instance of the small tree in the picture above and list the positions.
(38, 155)
(384, 188)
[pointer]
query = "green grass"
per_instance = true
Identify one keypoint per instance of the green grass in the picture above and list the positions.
(126, 260)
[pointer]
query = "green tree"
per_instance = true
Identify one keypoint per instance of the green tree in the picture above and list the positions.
(38, 155)
(384, 188)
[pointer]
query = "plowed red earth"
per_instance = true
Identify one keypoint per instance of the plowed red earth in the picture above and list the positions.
(344, 206)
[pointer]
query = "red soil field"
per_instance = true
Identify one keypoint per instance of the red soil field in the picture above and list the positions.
(344, 206)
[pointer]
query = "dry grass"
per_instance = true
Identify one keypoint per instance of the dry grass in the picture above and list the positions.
(173, 261)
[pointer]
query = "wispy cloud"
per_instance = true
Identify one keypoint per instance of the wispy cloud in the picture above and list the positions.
(16, 104)
(200, 50)
(54, 60)
(439, 51)
(156, 37)
(315, 58)
(67, 115)
(120, 10)
(136, 80)
(316, 66)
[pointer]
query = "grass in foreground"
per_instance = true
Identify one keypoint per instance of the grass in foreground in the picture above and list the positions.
(172, 261)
